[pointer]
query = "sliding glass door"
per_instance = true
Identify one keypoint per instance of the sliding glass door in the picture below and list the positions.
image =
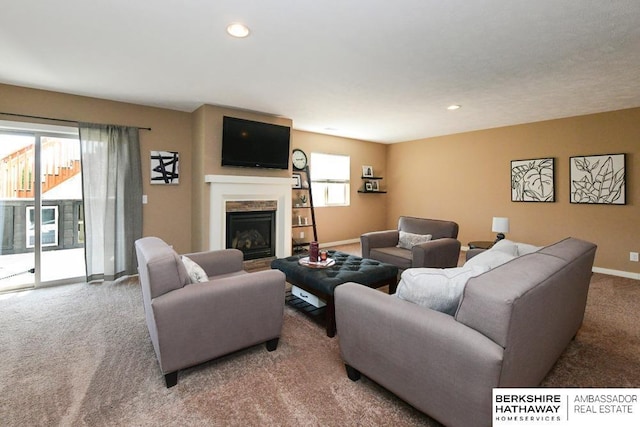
(41, 217)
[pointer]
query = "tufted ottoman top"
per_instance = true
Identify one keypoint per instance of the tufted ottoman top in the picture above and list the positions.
(348, 268)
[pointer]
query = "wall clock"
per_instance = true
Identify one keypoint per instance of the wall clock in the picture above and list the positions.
(298, 159)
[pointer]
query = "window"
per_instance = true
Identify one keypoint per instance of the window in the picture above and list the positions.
(330, 179)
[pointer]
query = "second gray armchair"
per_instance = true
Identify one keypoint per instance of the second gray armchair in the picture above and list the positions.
(405, 249)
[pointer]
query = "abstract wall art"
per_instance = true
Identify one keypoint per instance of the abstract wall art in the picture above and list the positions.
(164, 167)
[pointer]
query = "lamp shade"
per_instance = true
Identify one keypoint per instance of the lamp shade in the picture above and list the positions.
(500, 224)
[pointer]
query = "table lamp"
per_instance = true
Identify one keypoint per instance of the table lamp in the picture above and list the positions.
(500, 225)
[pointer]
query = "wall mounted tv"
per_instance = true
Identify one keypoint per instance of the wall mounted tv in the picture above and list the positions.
(254, 144)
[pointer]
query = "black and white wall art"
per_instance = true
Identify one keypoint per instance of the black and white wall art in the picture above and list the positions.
(164, 167)
(533, 180)
(598, 179)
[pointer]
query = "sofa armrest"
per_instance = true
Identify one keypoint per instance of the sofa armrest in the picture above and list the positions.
(204, 320)
(378, 239)
(218, 262)
(439, 253)
(425, 357)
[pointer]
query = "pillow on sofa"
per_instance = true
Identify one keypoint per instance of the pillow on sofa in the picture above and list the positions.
(436, 288)
(409, 240)
(506, 246)
(195, 272)
(525, 248)
(490, 258)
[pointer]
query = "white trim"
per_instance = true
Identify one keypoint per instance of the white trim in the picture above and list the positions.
(225, 188)
(339, 243)
(610, 272)
(38, 127)
(619, 273)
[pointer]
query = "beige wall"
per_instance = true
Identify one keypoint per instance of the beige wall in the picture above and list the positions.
(168, 212)
(367, 211)
(466, 178)
(207, 150)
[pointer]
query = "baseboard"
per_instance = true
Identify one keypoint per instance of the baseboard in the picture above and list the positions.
(619, 273)
(339, 243)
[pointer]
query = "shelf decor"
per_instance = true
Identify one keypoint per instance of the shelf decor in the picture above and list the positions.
(533, 180)
(297, 180)
(598, 179)
(367, 171)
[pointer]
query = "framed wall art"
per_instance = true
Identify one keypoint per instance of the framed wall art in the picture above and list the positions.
(598, 179)
(296, 181)
(533, 180)
(367, 171)
(164, 167)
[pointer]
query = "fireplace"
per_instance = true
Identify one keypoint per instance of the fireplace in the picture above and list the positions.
(271, 194)
(253, 233)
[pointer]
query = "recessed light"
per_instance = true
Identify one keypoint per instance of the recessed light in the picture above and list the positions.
(238, 30)
(454, 107)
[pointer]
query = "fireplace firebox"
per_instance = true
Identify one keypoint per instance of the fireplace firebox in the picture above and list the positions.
(253, 233)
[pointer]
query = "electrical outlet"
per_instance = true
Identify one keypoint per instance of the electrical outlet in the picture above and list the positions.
(633, 256)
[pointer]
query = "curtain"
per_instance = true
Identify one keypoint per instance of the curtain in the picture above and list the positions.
(112, 193)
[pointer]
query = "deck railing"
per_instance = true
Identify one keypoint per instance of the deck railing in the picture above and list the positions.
(59, 159)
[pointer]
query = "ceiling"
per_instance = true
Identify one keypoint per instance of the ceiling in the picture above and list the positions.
(381, 71)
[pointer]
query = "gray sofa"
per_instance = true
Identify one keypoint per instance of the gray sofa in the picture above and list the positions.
(190, 323)
(442, 251)
(511, 325)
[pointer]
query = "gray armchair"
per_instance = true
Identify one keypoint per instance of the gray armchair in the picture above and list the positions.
(190, 323)
(442, 251)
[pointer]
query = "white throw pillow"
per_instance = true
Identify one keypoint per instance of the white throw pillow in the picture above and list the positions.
(490, 258)
(525, 248)
(506, 246)
(436, 288)
(195, 272)
(409, 240)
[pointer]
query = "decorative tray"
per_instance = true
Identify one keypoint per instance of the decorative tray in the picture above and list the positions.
(320, 264)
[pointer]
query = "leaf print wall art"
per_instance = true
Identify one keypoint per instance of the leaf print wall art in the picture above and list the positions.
(532, 180)
(598, 179)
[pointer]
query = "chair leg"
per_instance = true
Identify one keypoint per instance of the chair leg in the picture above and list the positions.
(171, 379)
(352, 373)
(272, 344)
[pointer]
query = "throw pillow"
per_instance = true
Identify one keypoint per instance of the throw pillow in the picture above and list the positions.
(195, 272)
(490, 258)
(409, 240)
(506, 246)
(436, 288)
(525, 248)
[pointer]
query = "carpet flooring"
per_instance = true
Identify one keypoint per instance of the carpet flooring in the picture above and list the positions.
(80, 355)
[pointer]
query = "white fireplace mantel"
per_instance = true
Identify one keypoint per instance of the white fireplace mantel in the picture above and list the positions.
(225, 188)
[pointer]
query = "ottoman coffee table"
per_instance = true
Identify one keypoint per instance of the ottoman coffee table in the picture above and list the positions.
(322, 282)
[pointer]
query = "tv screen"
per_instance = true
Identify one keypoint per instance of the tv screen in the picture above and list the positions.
(254, 144)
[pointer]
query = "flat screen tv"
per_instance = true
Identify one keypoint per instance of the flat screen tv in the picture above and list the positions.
(254, 144)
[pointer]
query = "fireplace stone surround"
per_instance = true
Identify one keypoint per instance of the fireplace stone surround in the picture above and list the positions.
(260, 191)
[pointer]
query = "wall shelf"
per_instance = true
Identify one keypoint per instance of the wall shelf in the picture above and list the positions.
(371, 181)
